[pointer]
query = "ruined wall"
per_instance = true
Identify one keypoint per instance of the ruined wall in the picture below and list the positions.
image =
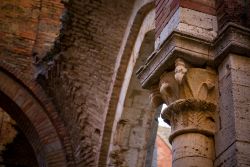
(27, 28)
(83, 59)
(133, 129)
(81, 77)
(133, 114)
(36, 116)
(136, 121)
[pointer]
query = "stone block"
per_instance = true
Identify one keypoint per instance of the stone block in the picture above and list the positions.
(132, 115)
(131, 157)
(137, 137)
(226, 132)
(243, 154)
(123, 135)
(191, 22)
(236, 154)
(227, 158)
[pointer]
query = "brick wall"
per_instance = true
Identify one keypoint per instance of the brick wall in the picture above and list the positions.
(164, 11)
(48, 26)
(164, 154)
(34, 113)
(27, 26)
(81, 78)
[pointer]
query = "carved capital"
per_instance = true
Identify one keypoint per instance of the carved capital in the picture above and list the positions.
(191, 95)
(190, 116)
(185, 105)
(195, 83)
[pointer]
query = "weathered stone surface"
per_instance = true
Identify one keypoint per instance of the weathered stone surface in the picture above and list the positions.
(133, 129)
(234, 115)
(227, 158)
(232, 39)
(189, 83)
(191, 22)
(232, 119)
(81, 77)
(165, 10)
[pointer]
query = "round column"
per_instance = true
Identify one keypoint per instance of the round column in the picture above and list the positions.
(191, 96)
(192, 129)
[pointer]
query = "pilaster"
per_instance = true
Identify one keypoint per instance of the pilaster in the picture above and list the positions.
(232, 140)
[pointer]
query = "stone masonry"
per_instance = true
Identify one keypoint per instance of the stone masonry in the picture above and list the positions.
(84, 81)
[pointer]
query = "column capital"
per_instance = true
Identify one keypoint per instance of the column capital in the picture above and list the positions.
(185, 105)
(190, 116)
(191, 96)
(188, 83)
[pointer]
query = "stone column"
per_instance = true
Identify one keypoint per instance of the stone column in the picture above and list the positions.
(191, 97)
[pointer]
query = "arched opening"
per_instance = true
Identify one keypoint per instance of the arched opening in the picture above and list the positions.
(134, 34)
(25, 127)
(33, 127)
(15, 113)
(136, 131)
(15, 149)
(135, 122)
(133, 138)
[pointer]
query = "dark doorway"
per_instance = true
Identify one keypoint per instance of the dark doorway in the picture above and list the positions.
(19, 153)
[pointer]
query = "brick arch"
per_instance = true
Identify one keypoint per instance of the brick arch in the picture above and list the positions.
(9, 106)
(136, 128)
(36, 115)
(138, 16)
